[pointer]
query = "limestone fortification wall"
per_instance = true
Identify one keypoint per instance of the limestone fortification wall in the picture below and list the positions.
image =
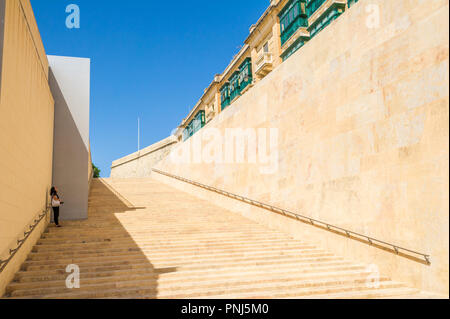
(363, 118)
(26, 123)
(139, 164)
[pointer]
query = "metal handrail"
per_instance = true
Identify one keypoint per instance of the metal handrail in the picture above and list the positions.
(314, 222)
(13, 252)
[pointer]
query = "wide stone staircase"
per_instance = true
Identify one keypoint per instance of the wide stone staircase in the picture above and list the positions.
(144, 239)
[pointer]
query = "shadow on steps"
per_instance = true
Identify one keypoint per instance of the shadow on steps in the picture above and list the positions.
(112, 263)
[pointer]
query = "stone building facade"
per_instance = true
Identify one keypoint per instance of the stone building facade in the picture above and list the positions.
(282, 30)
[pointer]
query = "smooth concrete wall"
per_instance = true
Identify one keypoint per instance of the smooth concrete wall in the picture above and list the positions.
(139, 164)
(26, 126)
(70, 84)
(362, 113)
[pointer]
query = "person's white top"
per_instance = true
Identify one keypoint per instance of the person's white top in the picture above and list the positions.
(56, 202)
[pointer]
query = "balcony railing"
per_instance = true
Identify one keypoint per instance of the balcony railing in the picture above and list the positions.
(352, 2)
(313, 5)
(324, 21)
(225, 103)
(264, 63)
(323, 13)
(299, 22)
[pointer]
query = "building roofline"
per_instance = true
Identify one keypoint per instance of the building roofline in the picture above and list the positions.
(233, 62)
(230, 66)
(255, 26)
(216, 81)
(220, 77)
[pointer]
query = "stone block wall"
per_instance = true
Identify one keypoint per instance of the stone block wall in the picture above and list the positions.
(26, 126)
(362, 113)
(139, 164)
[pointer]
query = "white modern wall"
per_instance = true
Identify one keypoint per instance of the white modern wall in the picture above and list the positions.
(70, 84)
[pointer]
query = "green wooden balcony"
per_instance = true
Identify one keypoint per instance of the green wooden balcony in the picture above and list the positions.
(332, 12)
(195, 125)
(187, 132)
(313, 5)
(351, 3)
(319, 20)
(293, 48)
(225, 96)
(292, 17)
(238, 82)
(245, 74)
(234, 85)
(199, 121)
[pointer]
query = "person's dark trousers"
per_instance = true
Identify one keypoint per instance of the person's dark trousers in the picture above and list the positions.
(56, 215)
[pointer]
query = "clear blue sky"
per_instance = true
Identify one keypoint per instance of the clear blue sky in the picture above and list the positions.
(150, 59)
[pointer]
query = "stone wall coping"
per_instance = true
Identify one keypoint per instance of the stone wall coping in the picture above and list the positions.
(150, 149)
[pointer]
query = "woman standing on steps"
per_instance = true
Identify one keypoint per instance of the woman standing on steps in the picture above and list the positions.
(56, 203)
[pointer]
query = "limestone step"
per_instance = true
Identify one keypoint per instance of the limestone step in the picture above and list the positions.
(156, 240)
(378, 293)
(260, 291)
(142, 257)
(155, 251)
(230, 268)
(191, 287)
(164, 232)
(50, 287)
(44, 265)
(200, 235)
(156, 243)
(417, 295)
(157, 230)
(145, 267)
(175, 262)
(144, 289)
(344, 292)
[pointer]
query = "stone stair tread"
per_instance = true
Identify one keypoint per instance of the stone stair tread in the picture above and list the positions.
(201, 274)
(186, 265)
(280, 275)
(384, 293)
(237, 254)
(252, 290)
(98, 253)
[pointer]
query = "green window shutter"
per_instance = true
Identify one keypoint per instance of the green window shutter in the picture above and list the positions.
(245, 74)
(292, 17)
(234, 85)
(323, 21)
(351, 2)
(225, 96)
(198, 122)
(185, 134)
(313, 5)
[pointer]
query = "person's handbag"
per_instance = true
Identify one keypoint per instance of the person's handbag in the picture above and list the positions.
(56, 203)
